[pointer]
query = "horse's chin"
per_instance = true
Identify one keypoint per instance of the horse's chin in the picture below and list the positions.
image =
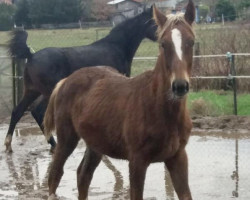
(174, 97)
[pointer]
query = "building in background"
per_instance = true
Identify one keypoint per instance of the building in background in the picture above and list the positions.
(129, 8)
(6, 1)
(125, 9)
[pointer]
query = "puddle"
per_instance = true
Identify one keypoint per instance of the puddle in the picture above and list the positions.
(218, 169)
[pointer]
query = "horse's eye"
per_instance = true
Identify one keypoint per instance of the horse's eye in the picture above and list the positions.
(190, 43)
(163, 45)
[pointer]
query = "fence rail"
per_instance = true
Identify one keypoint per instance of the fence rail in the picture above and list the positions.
(17, 75)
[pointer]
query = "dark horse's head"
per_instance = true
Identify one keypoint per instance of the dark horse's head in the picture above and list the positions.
(151, 28)
(176, 39)
(140, 26)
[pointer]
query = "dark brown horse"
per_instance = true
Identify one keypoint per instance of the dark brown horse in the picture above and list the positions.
(142, 119)
(48, 66)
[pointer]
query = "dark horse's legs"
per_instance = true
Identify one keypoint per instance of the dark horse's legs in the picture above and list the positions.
(178, 169)
(85, 172)
(38, 112)
(28, 98)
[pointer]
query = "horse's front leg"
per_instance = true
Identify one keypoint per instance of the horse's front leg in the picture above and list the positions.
(137, 172)
(178, 169)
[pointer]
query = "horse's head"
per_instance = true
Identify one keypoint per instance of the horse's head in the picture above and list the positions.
(176, 39)
(151, 27)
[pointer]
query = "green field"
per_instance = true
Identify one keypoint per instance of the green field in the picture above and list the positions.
(215, 103)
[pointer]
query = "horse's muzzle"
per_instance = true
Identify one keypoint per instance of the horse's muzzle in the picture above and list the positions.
(180, 87)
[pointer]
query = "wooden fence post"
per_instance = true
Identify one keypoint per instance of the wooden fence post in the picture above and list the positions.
(233, 72)
(19, 79)
(14, 82)
(196, 66)
(234, 82)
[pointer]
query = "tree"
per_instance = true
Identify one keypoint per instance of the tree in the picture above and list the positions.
(22, 14)
(86, 6)
(204, 10)
(55, 11)
(101, 10)
(226, 8)
(243, 4)
(6, 16)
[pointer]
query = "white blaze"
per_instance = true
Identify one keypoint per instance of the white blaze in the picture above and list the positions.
(177, 40)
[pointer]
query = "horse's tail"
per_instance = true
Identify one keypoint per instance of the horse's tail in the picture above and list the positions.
(49, 118)
(17, 45)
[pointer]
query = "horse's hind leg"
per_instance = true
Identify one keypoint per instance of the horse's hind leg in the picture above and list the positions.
(67, 141)
(28, 98)
(85, 172)
(178, 169)
(38, 112)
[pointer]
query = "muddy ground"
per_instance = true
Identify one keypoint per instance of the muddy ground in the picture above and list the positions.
(218, 151)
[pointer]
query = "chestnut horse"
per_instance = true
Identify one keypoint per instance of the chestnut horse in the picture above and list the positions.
(142, 119)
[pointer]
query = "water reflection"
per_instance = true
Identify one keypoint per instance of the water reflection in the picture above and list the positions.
(24, 175)
(214, 166)
(118, 186)
(235, 175)
(169, 186)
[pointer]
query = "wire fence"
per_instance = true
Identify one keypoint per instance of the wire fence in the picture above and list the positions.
(6, 103)
(211, 70)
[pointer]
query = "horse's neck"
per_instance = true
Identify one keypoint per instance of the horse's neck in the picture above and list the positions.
(128, 38)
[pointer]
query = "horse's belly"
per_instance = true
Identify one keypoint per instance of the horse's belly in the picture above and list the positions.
(105, 143)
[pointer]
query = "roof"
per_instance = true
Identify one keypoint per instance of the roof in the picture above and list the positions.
(6, 1)
(119, 1)
(115, 2)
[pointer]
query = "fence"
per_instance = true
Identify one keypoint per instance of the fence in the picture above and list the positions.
(209, 72)
(231, 78)
(6, 103)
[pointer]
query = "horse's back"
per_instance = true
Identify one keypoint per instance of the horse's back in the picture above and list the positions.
(81, 82)
(100, 54)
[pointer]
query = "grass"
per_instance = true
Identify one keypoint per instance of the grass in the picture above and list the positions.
(221, 103)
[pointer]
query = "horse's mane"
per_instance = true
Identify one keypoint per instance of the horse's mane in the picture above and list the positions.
(171, 21)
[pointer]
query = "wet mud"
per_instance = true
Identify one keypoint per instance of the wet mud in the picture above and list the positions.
(218, 168)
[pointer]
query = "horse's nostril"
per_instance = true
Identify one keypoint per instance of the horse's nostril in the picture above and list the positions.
(187, 86)
(174, 86)
(180, 87)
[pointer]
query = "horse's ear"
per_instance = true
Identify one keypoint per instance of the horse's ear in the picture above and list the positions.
(159, 18)
(190, 12)
(152, 9)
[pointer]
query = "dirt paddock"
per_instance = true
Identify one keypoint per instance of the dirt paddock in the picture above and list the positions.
(218, 151)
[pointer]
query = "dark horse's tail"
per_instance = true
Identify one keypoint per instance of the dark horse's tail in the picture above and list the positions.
(18, 46)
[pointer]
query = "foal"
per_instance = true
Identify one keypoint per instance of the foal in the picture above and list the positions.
(142, 119)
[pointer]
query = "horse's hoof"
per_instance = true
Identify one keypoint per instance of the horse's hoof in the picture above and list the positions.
(52, 197)
(7, 143)
(9, 149)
